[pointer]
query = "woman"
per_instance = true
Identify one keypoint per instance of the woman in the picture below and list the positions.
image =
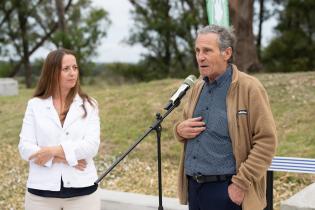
(60, 136)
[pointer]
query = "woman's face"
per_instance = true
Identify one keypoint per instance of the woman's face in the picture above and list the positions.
(69, 72)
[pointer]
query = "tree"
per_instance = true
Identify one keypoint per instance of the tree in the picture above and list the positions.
(241, 15)
(167, 28)
(21, 33)
(264, 13)
(81, 30)
(154, 32)
(293, 49)
(261, 19)
(60, 8)
(28, 25)
(192, 17)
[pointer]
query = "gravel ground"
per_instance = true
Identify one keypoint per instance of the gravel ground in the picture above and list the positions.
(132, 175)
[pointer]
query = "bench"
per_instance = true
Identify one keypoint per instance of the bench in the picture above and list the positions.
(286, 164)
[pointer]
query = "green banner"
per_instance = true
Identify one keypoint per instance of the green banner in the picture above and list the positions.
(218, 12)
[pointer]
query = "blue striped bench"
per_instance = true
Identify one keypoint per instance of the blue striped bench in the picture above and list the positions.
(292, 164)
(286, 164)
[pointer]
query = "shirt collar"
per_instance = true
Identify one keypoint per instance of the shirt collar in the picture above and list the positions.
(220, 79)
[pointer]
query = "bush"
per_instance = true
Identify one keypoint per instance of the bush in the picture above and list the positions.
(5, 68)
(290, 52)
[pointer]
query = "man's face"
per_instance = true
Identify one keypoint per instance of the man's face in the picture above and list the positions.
(211, 61)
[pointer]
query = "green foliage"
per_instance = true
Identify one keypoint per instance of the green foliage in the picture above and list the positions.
(293, 49)
(9, 11)
(37, 65)
(5, 68)
(129, 71)
(26, 26)
(141, 71)
(85, 26)
(167, 29)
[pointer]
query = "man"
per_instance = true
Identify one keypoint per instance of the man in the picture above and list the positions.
(228, 132)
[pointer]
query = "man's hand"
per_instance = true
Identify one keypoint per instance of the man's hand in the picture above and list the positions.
(42, 156)
(190, 128)
(236, 194)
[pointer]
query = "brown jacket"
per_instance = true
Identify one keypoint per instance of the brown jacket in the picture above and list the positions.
(253, 137)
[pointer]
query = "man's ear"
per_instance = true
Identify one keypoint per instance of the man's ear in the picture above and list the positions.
(227, 53)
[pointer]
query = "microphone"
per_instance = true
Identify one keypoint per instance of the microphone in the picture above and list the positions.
(181, 91)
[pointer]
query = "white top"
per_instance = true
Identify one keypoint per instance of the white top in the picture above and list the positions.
(79, 138)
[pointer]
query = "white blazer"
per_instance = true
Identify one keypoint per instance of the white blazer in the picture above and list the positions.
(79, 138)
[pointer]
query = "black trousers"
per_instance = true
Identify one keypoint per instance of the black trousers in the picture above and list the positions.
(210, 196)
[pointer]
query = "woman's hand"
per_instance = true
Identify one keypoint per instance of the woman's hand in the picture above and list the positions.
(59, 160)
(81, 165)
(42, 156)
(46, 153)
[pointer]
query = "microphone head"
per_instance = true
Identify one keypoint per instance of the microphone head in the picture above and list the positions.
(190, 80)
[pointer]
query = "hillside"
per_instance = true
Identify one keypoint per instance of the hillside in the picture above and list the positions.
(127, 111)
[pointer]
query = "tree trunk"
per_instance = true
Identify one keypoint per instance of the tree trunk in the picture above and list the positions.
(241, 13)
(38, 44)
(261, 20)
(28, 72)
(167, 43)
(22, 15)
(17, 66)
(61, 22)
(61, 15)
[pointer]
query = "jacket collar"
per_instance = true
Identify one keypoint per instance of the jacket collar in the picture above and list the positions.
(77, 99)
(49, 102)
(74, 112)
(235, 75)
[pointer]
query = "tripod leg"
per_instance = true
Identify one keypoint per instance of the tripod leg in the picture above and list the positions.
(158, 138)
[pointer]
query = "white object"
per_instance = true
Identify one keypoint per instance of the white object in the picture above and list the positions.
(8, 87)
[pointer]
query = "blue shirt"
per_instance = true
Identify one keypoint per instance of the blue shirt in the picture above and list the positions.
(211, 153)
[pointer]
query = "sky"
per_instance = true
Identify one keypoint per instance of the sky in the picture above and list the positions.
(112, 47)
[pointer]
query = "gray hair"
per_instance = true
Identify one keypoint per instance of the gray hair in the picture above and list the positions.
(226, 37)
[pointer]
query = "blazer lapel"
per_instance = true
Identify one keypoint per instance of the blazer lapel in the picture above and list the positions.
(50, 111)
(75, 111)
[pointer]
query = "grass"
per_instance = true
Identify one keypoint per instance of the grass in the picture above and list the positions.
(127, 111)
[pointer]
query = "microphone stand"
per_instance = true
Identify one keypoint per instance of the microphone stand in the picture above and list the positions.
(158, 128)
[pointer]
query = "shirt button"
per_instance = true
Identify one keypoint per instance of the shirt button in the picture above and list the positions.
(68, 182)
(207, 108)
(67, 133)
(194, 157)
